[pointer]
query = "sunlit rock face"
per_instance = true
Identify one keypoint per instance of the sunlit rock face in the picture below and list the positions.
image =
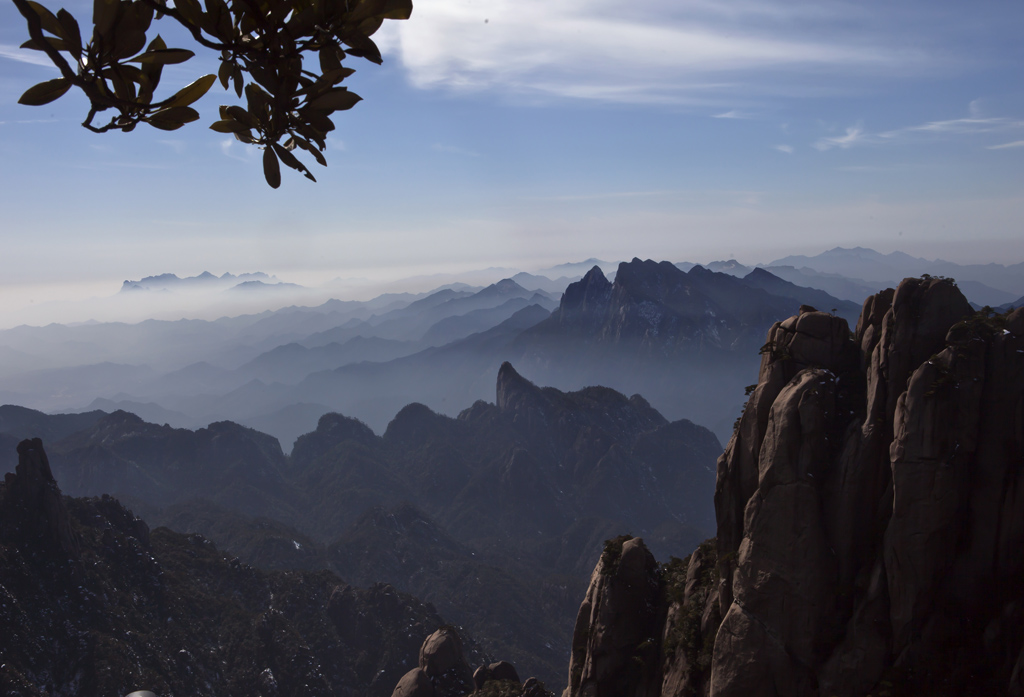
(870, 512)
(868, 505)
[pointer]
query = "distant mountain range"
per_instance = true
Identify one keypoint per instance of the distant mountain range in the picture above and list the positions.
(680, 336)
(983, 284)
(682, 339)
(204, 281)
(853, 274)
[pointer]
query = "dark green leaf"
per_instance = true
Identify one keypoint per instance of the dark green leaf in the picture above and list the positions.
(227, 126)
(104, 15)
(317, 119)
(305, 145)
(157, 44)
(224, 73)
(397, 9)
(45, 92)
(337, 99)
(370, 53)
(152, 71)
(189, 94)
(271, 167)
(72, 34)
(191, 11)
(237, 81)
(292, 161)
(124, 89)
(329, 59)
(333, 77)
(58, 44)
(173, 118)
(163, 56)
(369, 27)
(128, 43)
(257, 98)
(47, 20)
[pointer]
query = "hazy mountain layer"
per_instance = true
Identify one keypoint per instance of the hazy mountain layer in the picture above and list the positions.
(270, 370)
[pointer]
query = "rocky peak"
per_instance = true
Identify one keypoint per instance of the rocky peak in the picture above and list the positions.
(651, 278)
(585, 302)
(505, 286)
(331, 430)
(32, 511)
(515, 393)
(415, 423)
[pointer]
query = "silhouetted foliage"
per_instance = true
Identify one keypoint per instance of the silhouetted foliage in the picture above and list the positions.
(265, 46)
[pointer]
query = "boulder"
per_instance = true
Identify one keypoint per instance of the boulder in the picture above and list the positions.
(415, 683)
(442, 660)
(503, 670)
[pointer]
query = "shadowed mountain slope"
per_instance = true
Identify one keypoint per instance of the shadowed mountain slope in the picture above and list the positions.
(96, 604)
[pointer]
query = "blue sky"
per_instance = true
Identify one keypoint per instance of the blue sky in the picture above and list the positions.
(530, 132)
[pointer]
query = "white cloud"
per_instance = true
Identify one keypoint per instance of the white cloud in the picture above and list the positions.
(659, 50)
(788, 149)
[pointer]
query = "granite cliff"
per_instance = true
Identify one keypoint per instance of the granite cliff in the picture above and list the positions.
(870, 512)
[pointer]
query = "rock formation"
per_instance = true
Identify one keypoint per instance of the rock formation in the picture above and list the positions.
(870, 514)
(444, 672)
(32, 514)
(615, 637)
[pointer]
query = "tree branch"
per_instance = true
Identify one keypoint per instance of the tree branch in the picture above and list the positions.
(35, 30)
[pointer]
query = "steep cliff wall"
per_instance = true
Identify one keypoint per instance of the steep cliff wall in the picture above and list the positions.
(870, 513)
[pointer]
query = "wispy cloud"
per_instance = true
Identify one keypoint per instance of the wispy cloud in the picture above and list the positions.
(929, 131)
(27, 121)
(455, 150)
(957, 126)
(1003, 146)
(24, 56)
(606, 195)
(788, 149)
(854, 136)
(732, 114)
(245, 153)
(624, 52)
(178, 146)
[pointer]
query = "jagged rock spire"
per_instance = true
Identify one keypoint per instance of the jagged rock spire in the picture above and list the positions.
(32, 512)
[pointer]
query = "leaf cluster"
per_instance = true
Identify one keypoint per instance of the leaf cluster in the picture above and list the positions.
(284, 57)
